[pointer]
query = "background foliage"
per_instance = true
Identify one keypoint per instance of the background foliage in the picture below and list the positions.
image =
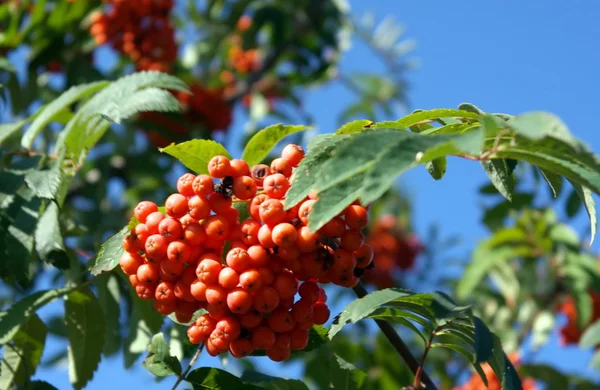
(76, 155)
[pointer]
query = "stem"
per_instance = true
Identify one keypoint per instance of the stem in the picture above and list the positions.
(398, 344)
(419, 373)
(189, 367)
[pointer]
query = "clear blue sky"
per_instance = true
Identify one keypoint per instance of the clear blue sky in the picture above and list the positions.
(504, 56)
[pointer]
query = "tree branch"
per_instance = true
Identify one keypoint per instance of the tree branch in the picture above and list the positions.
(398, 344)
(189, 367)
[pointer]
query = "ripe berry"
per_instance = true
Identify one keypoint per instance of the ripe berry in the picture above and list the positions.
(153, 220)
(299, 339)
(266, 299)
(176, 205)
(282, 166)
(320, 313)
(199, 208)
(251, 280)
(156, 247)
(271, 212)
(276, 185)
(263, 337)
(239, 301)
(216, 227)
(208, 271)
(250, 229)
(265, 237)
(244, 187)
(240, 348)
(251, 319)
(238, 259)
(143, 209)
(286, 285)
(309, 291)
(178, 251)
(203, 185)
(171, 229)
(130, 262)
(281, 321)
(164, 292)
(219, 167)
(284, 235)
(228, 278)
(356, 217)
(184, 184)
(239, 168)
(194, 234)
(293, 154)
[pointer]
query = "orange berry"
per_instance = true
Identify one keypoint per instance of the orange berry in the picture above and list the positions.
(293, 154)
(219, 167)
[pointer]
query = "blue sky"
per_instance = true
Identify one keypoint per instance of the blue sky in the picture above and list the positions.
(504, 56)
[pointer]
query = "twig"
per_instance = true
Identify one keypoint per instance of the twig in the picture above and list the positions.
(419, 373)
(398, 344)
(189, 367)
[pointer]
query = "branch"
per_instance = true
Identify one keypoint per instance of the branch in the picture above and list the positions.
(399, 345)
(189, 367)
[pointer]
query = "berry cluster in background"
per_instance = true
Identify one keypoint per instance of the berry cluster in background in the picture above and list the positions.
(393, 248)
(246, 274)
(570, 333)
(141, 30)
(476, 383)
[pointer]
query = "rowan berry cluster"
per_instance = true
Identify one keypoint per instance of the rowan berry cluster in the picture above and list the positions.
(570, 333)
(247, 273)
(393, 249)
(139, 29)
(476, 383)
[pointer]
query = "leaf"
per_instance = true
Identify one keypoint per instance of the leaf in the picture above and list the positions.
(21, 357)
(437, 168)
(6, 65)
(363, 307)
(588, 201)
(196, 154)
(50, 111)
(501, 177)
(8, 130)
(110, 253)
(583, 305)
(86, 330)
(261, 144)
(345, 375)
(40, 385)
(429, 115)
(109, 298)
(354, 126)
(503, 368)
(573, 204)
(591, 336)
(159, 360)
(122, 98)
(45, 183)
(537, 125)
(320, 149)
(484, 341)
(24, 309)
(214, 378)
(144, 322)
(48, 238)
(270, 382)
(554, 182)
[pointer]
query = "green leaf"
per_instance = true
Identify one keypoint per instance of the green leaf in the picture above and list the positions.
(50, 111)
(537, 125)
(365, 306)
(345, 375)
(484, 341)
(554, 182)
(45, 183)
(431, 115)
(333, 201)
(6, 65)
(588, 201)
(471, 108)
(316, 338)
(109, 298)
(501, 177)
(261, 144)
(136, 92)
(86, 330)
(214, 378)
(21, 357)
(270, 382)
(144, 322)
(49, 239)
(159, 360)
(503, 368)
(354, 126)
(591, 336)
(584, 306)
(110, 253)
(320, 149)
(437, 168)
(40, 385)
(8, 130)
(21, 311)
(196, 154)
(573, 204)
